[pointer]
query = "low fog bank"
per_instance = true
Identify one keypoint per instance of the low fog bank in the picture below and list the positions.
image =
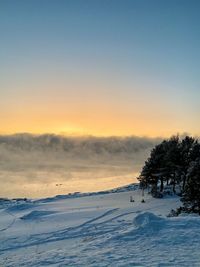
(25, 152)
(86, 144)
(50, 159)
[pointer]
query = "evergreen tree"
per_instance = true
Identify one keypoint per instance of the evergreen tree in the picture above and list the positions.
(186, 147)
(172, 161)
(175, 162)
(195, 151)
(152, 172)
(191, 196)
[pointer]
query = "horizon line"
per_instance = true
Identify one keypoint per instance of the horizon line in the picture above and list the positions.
(79, 135)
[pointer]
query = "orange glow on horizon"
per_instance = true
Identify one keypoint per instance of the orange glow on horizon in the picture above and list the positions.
(101, 130)
(95, 118)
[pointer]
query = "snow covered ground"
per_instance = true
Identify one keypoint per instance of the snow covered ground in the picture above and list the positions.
(101, 229)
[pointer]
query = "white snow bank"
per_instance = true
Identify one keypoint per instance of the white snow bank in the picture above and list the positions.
(99, 230)
(149, 220)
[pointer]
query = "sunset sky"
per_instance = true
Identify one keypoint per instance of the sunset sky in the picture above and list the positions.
(100, 67)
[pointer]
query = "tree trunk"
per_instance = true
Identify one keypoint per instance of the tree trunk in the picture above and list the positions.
(161, 185)
(174, 185)
(184, 182)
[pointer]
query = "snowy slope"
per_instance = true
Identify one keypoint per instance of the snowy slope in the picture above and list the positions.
(103, 229)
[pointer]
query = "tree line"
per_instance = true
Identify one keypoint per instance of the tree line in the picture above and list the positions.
(174, 166)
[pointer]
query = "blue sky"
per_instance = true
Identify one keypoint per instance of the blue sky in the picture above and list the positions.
(100, 67)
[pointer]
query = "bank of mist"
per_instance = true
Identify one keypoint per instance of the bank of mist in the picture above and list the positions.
(44, 165)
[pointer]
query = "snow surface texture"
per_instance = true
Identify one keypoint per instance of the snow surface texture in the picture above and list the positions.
(104, 229)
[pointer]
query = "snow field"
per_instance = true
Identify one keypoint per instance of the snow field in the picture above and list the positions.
(98, 230)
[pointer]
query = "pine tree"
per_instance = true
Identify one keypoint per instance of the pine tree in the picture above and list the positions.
(175, 162)
(195, 151)
(186, 147)
(152, 172)
(172, 161)
(191, 196)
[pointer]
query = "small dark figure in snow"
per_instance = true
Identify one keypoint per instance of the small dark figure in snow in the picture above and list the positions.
(131, 199)
(143, 201)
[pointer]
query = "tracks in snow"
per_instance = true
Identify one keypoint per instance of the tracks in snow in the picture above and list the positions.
(10, 224)
(89, 229)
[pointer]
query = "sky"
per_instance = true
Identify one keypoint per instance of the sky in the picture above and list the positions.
(100, 67)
